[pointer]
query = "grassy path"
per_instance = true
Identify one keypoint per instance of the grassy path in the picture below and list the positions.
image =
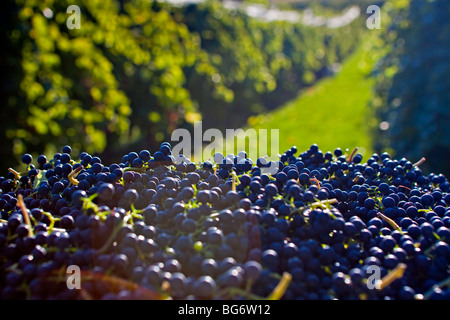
(333, 113)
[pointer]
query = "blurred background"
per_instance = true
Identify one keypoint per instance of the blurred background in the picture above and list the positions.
(136, 70)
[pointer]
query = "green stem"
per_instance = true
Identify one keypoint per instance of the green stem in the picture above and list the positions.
(140, 170)
(444, 283)
(390, 222)
(16, 174)
(281, 288)
(52, 221)
(350, 158)
(113, 235)
(72, 175)
(396, 273)
(25, 214)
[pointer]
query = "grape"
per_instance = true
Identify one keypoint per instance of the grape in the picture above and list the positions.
(67, 149)
(27, 158)
(188, 231)
(144, 155)
(105, 191)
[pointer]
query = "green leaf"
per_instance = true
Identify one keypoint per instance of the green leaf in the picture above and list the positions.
(40, 177)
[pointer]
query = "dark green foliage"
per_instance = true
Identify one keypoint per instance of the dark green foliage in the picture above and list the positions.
(117, 79)
(413, 84)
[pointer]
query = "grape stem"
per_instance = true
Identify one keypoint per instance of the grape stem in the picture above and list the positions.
(141, 170)
(444, 283)
(52, 221)
(418, 163)
(113, 235)
(71, 176)
(316, 182)
(350, 158)
(234, 181)
(281, 287)
(322, 204)
(16, 174)
(390, 222)
(393, 275)
(23, 208)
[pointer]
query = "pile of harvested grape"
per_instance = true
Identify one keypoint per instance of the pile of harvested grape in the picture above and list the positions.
(321, 226)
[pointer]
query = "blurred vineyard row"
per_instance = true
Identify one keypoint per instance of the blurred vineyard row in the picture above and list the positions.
(412, 83)
(136, 70)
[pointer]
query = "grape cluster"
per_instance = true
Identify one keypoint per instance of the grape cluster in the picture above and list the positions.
(155, 226)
